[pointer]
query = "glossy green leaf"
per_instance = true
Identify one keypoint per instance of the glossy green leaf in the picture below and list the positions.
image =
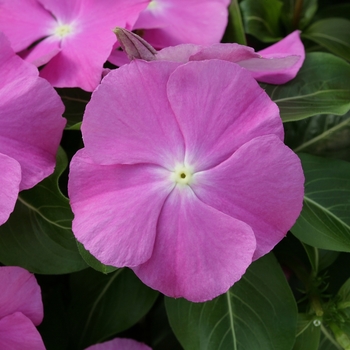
(262, 19)
(93, 262)
(103, 305)
(327, 341)
(308, 333)
(258, 312)
(333, 34)
(38, 234)
(322, 86)
(324, 135)
(296, 14)
(325, 219)
(235, 29)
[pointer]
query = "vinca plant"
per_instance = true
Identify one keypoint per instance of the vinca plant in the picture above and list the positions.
(174, 174)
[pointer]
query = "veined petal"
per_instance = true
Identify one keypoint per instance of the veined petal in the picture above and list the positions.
(169, 22)
(19, 291)
(10, 178)
(17, 332)
(262, 184)
(116, 208)
(42, 52)
(199, 252)
(24, 22)
(242, 112)
(130, 118)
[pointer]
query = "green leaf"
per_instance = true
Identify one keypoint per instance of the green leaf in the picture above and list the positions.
(262, 19)
(93, 262)
(235, 30)
(327, 341)
(38, 234)
(308, 333)
(103, 305)
(325, 219)
(324, 135)
(334, 10)
(333, 34)
(258, 312)
(322, 86)
(296, 14)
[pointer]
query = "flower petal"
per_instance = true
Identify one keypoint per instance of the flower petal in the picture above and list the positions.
(130, 119)
(172, 22)
(10, 178)
(284, 60)
(17, 332)
(120, 344)
(116, 208)
(262, 184)
(24, 22)
(30, 118)
(19, 291)
(242, 112)
(199, 252)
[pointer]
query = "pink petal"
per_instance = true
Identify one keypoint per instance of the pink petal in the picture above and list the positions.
(42, 52)
(261, 184)
(180, 53)
(24, 22)
(17, 332)
(199, 252)
(84, 51)
(19, 291)
(30, 118)
(119, 344)
(287, 56)
(131, 110)
(10, 178)
(172, 22)
(116, 208)
(242, 112)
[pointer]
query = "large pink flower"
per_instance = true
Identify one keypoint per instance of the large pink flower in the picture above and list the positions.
(184, 176)
(119, 344)
(172, 22)
(72, 37)
(21, 309)
(31, 127)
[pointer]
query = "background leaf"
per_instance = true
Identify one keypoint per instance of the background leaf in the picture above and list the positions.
(308, 335)
(322, 86)
(103, 305)
(262, 19)
(325, 219)
(38, 234)
(258, 312)
(333, 34)
(235, 30)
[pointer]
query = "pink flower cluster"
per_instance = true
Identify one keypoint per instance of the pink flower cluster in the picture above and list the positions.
(74, 38)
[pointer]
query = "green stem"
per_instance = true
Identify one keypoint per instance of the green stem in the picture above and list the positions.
(297, 13)
(236, 23)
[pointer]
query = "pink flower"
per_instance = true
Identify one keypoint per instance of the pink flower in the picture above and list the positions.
(72, 37)
(31, 127)
(172, 22)
(119, 344)
(276, 64)
(184, 176)
(21, 309)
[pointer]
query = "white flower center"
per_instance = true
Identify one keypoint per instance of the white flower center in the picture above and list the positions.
(182, 175)
(152, 5)
(63, 30)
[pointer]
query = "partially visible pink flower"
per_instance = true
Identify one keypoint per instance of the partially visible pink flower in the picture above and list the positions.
(184, 176)
(276, 64)
(172, 22)
(119, 344)
(21, 309)
(72, 37)
(31, 127)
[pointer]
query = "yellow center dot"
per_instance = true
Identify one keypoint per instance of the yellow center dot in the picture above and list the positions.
(182, 175)
(152, 5)
(63, 30)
